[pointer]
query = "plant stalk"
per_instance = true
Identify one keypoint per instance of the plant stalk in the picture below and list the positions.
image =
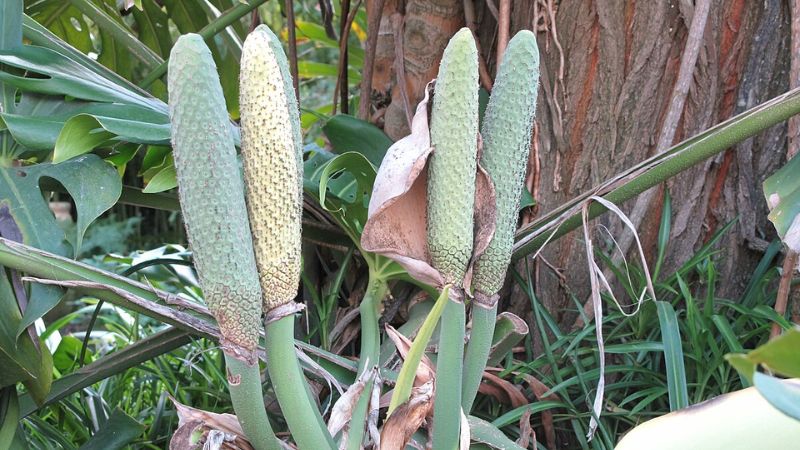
(244, 385)
(370, 353)
(665, 166)
(301, 414)
(477, 352)
(449, 368)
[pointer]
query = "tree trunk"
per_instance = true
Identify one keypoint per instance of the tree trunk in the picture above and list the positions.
(608, 70)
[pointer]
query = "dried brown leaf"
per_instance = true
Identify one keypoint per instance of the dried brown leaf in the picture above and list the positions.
(342, 410)
(203, 429)
(398, 209)
(539, 390)
(425, 370)
(526, 431)
(511, 391)
(483, 216)
(407, 418)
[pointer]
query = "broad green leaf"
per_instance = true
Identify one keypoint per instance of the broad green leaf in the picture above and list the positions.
(153, 27)
(782, 191)
(11, 31)
(349, 177)
(349, 134)
(486, 433)
(164, 180)
(780, 355)
(45, 122)
(10, 38)
(114, 56)
(64, 20)
(68, 352)
(42, 37)
(84, 132)
(316, 34)
(673, 356)
(113, 30)
(527, 200)
(93, 185)
(9, 415)
(122, 155)
(117, 432)
(22, 360)
(313, 69)
(61, 75)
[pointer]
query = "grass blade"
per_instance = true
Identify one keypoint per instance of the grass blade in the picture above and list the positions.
(673, 356)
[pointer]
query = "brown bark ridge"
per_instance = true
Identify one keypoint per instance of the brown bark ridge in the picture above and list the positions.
(427, 27)
(601, 110)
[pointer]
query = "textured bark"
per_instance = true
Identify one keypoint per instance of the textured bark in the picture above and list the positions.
(428, 26)
(620, 62)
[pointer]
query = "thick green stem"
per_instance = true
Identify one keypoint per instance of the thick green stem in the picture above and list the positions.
(301, 414)
(477, 353)
(449, 365)
(370, 352)
(669, 164)
(244, 384)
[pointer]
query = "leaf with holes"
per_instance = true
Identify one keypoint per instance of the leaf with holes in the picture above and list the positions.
(93, 185)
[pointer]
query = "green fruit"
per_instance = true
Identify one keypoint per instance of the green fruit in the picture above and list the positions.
(451, 173)
(212, 195)
(506, 133)
(270, 154)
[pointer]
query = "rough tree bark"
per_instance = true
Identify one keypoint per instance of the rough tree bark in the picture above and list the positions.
(608, 68)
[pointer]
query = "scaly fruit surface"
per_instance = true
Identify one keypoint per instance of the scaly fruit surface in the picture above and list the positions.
(212, 195)
(506, 133)
(270, 156)
(291, 100)
(452, 169)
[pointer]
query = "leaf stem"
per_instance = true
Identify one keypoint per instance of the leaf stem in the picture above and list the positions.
(370, 353)
(661, 167)
(302, 416)
(477, 352)
(244, 385)
(449, 367)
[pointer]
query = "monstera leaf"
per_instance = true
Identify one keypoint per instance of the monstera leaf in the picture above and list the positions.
(342, 185)
(93, 185)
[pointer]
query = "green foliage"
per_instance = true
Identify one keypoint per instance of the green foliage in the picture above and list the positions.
(670, 354)
(67, 115)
